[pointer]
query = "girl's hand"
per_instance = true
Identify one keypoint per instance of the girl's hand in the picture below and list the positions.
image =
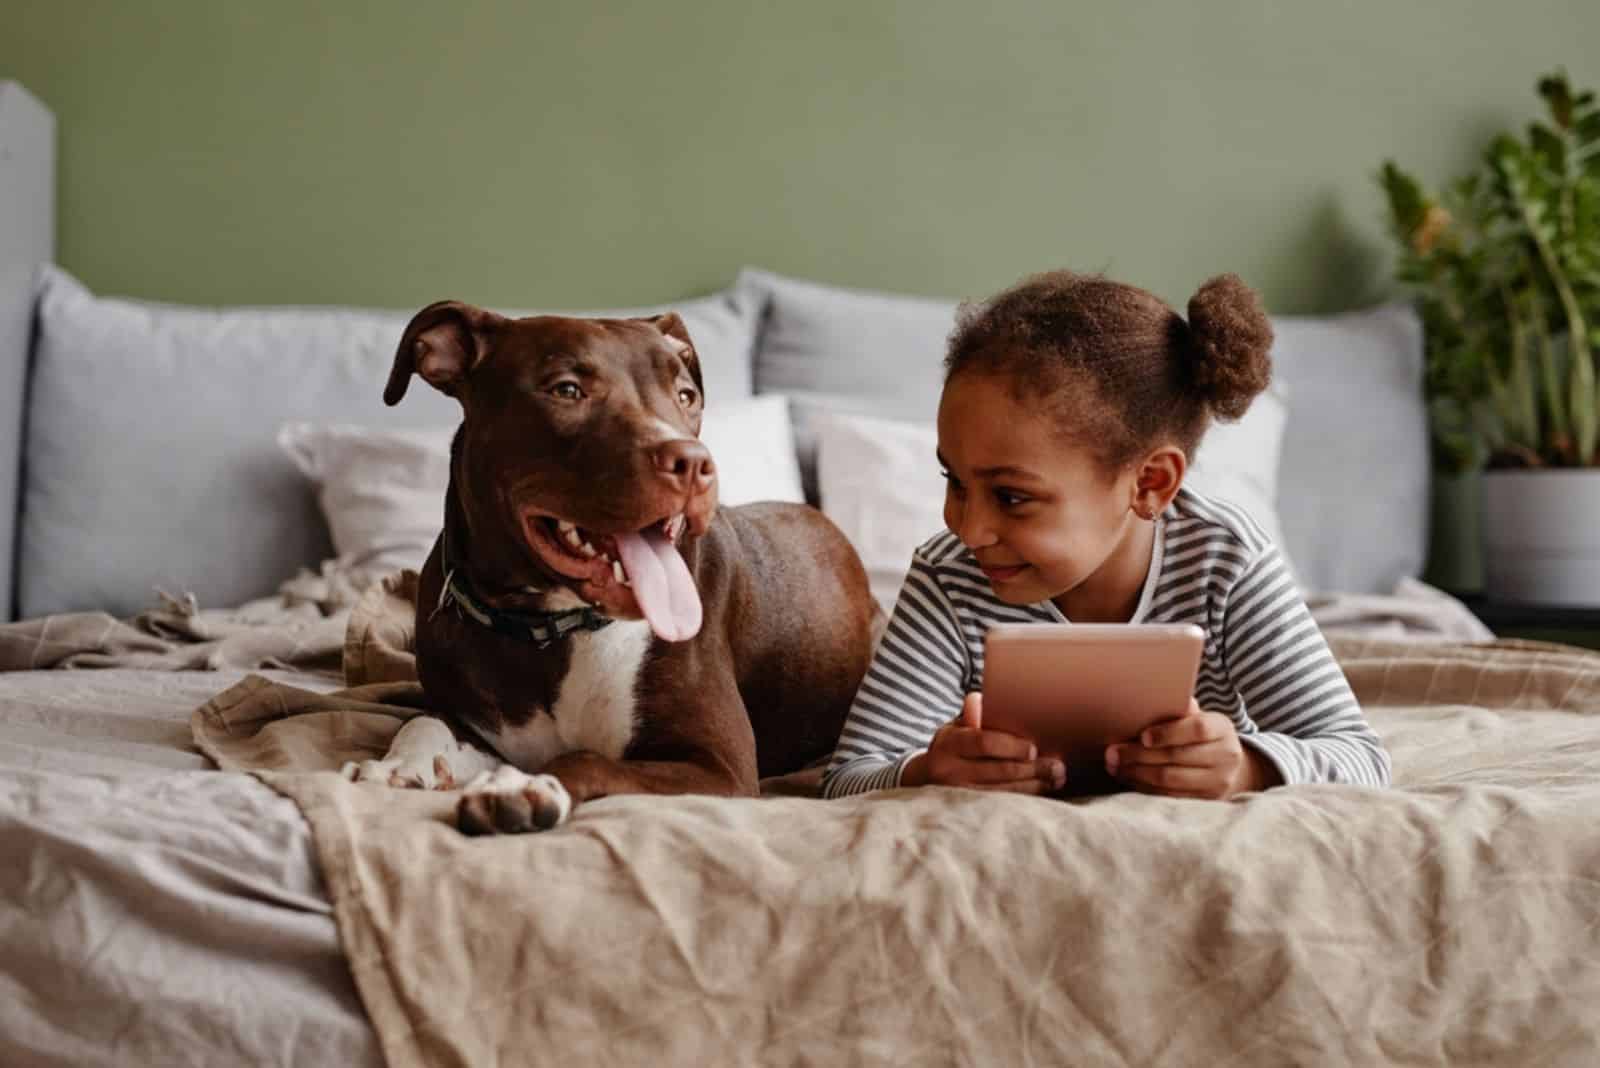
(962, 753)
(1196, 755)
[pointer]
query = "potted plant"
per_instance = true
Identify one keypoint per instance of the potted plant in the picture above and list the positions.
(1505, 263)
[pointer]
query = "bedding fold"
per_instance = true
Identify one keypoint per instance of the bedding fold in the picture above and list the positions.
(302, 626)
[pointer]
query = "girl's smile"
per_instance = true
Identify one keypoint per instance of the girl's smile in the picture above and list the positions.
(997, 575)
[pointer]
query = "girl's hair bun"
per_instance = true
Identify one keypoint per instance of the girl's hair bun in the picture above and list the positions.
(1231, 342)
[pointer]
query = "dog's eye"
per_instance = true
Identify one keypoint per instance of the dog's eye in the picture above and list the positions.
(567, 390)
(686, 397)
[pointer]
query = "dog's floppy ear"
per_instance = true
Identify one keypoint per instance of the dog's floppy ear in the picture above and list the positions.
(672, 328)
(442, 343)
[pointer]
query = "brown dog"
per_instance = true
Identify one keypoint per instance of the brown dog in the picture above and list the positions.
(588, 612)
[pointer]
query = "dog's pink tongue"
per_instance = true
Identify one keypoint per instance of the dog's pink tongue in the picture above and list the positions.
(661, 584)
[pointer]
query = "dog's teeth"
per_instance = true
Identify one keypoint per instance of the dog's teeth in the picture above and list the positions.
(616, 569)
(565, 527)
(574, 539)
(586, 549)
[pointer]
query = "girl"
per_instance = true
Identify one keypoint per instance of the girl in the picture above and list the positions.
(1071, 407)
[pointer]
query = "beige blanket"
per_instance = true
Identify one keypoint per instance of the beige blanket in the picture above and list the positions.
(1454, 919)
(302, 626)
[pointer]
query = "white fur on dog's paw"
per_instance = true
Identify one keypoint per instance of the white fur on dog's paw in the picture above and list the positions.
(510, 801)
(413, 773)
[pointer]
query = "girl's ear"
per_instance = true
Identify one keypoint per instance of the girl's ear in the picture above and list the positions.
(1159, 476)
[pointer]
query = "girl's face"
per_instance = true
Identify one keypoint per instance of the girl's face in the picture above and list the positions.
(1040, 515)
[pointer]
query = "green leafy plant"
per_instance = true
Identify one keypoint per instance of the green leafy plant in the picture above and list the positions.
(1505, 264)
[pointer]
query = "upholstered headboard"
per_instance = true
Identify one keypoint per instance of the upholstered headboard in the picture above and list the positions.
(150, 455)
(27, 240)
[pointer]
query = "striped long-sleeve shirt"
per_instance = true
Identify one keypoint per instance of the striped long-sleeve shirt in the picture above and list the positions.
(1265, 663)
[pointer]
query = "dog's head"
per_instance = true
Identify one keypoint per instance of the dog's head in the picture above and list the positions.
(580, 443)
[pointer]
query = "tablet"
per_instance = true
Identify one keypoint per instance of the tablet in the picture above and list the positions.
(1074, 688)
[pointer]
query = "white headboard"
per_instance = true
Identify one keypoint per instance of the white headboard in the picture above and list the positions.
(27, 240)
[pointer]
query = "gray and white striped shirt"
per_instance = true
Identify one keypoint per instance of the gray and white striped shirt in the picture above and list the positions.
(1265, 663)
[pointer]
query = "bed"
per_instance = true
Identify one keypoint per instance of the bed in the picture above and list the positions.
(209, 606)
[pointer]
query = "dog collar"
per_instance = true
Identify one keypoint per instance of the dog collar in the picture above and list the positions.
(543, 629)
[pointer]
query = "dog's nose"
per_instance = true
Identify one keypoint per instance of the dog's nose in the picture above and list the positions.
(686, 464)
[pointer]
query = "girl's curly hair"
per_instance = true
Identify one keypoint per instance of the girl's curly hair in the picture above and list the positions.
(1121, 369)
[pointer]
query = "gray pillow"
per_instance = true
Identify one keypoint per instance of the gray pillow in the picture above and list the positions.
(1353, 483)
(1353, 480)
(151, 457)
(847, 350)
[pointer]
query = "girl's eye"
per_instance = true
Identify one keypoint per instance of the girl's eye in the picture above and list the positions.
(686, 396)
(1008, 499)
(567, 390)
(953, 482)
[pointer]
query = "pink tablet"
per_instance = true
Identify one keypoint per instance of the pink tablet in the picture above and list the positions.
(1075, 688)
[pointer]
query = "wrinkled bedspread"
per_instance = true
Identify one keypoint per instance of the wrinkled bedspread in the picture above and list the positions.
(1454, 919)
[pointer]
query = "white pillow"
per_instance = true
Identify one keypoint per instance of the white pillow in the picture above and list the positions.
(752, 444)
(382, 491)
(879, 481)
(1238, 462)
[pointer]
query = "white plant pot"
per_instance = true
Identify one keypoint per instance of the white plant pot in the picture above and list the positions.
(1541, 536)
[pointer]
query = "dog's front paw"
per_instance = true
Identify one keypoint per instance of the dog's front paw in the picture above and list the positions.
(509, 801)
(432, 773)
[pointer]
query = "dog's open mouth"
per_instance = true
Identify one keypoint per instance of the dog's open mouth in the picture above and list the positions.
(645, 561)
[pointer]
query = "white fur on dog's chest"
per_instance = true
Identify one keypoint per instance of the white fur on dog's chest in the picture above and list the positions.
(596, 702)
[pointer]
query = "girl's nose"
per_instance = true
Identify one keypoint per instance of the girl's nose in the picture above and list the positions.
(974, 528)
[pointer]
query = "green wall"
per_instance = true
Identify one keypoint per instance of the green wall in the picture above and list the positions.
(571, 154)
